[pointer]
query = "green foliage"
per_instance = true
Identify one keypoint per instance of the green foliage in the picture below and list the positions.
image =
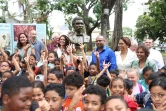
(2, 20)
(127, 31)
(81, 8)
(126, 3)
(153, 23)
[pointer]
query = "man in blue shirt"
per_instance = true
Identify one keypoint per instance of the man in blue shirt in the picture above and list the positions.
(38, 45)
(106, 54)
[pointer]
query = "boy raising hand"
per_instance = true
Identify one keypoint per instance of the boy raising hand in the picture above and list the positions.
(74, 88)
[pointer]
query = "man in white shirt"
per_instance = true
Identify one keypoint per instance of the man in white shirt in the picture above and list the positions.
(154, 54)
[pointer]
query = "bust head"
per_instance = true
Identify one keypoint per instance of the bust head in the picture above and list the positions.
(78, 24)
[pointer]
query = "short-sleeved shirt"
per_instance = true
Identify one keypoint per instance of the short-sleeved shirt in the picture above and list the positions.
(52, 46)
(79, 106)
(51, 66)
(107, 55)
(38, 46)
(22, 51)
(135, 64)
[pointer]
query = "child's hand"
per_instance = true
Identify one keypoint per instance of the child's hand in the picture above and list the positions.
(73, 48)
(15, 55)
(44, 105)
(65, 61)
(62, 57)
(161, 108)
(79, 58)
(106, 65)
(96, 53)
(69, 49)
(45, 62)
(27, 47)
(26, 59)
(82, 46)
(78, 96)
(122, 74)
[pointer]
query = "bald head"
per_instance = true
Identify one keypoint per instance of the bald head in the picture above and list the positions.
(100, 41)
(100, 37)
(33, 34)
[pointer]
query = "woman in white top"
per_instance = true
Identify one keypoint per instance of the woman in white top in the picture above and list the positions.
(125, 56)
(62, 45)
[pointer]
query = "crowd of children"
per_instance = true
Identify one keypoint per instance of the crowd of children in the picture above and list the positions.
(66, 82)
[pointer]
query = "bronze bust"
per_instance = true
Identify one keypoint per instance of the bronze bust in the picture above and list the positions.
(78, 36)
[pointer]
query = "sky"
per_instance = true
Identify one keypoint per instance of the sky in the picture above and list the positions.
(129, 17)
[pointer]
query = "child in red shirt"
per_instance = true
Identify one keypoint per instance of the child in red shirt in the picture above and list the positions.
(72, 83)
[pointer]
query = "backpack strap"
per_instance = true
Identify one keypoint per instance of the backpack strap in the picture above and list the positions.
(140, 88)
(90, 79)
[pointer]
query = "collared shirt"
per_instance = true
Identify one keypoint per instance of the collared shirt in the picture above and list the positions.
(135, 64)
(38, 46)
(126, 63)
(52, 46)
(156, 56)
(107, 55)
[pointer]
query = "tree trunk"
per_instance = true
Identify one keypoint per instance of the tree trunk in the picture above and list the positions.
(106, 6)
(105, 27)
(118, 33)
(89, 48)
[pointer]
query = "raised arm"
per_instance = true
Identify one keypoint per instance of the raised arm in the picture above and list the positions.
(45, 64)
(26, 50)
(61, 63)
(45, 48)
(84, 57)
(76, 98)
(30, 71)
(96, 53)
(82, 67)
(108, 74)
(33, 51)
(105, 67)
(16, 65)
(6, 57)
(70, 50)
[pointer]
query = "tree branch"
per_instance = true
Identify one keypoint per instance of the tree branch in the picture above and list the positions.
(95, 25)
(92, 4)
(111, 4)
